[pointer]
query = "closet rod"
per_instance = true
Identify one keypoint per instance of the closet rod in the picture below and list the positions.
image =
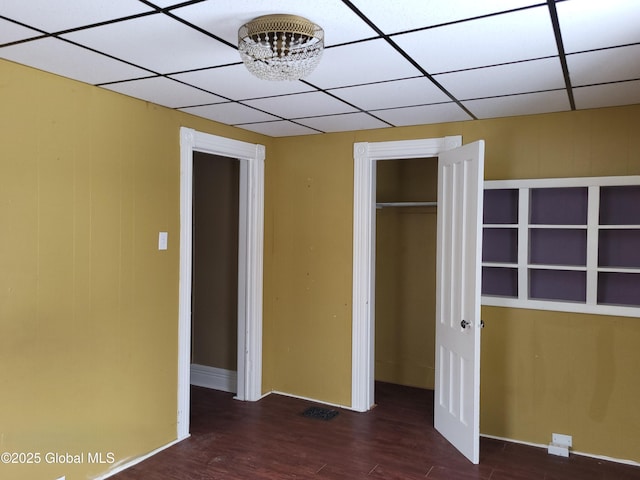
(406, 204)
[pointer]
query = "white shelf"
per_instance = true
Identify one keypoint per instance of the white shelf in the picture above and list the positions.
(619, 269)
(405, 204)
(619, 227)
(557, 227)
(574, 268)
(560, 306)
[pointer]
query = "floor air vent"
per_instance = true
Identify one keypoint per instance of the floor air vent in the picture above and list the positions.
(320, 413)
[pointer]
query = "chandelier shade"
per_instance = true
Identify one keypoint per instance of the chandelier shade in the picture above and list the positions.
(280, 47)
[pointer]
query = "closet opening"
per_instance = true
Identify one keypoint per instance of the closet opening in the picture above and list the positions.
(405, 277)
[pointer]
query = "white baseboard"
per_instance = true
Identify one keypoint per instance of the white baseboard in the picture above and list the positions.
(321, 402)
(573, 452)
(123, 466)
(215, 378)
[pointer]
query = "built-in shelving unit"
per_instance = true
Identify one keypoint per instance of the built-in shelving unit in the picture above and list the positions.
(563, 244)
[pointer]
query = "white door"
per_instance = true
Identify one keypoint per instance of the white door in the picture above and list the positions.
(457, 386)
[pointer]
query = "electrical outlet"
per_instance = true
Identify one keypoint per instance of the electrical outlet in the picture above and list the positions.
(563, 440)
(560, 444)
(558, 450)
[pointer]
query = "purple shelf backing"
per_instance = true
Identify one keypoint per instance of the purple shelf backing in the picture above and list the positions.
(558, 206)
(501, 206)
(558, 247)
(620, 205)
(563, 285)
(619, 288)
(500, 281)
(619, 248)
(500, 245)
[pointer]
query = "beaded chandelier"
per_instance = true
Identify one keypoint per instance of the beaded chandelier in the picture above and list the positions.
(280, 47)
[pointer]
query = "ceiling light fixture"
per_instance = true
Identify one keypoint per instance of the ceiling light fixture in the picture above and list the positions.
(280, 47)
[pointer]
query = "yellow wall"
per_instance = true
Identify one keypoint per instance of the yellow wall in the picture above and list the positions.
(405, 318)
(307, 277)
(583, 382)
(554, 372)
(88, 305)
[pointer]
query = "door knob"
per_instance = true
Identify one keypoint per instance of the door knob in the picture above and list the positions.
(464, 324)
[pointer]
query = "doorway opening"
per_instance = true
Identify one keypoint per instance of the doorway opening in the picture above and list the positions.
(250, 264)
(214, 304)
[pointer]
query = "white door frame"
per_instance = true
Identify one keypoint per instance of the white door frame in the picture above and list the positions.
(250, 264)
(365, 154)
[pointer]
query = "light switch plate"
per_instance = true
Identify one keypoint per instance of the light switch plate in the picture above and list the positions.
(162, 240)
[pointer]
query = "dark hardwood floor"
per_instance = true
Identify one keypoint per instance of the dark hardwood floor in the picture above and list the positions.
(271, 439)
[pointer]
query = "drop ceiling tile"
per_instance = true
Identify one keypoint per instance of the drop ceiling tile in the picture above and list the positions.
(474, 49)
(591, 24)
(166, 3)
(522, 77)
(56, 16)
(281, 128)
(301, 105)
(525, 104)
(235, 82)
(12, 32)
(392, 17)
(158, 43)
(344, 123)
(164, 91)
(229, 113)
(423, 115)
(603, 66)
(224, 17)
(399, 93)
(607, 95)
(354, 64)
(63, 58)
(487, 41)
